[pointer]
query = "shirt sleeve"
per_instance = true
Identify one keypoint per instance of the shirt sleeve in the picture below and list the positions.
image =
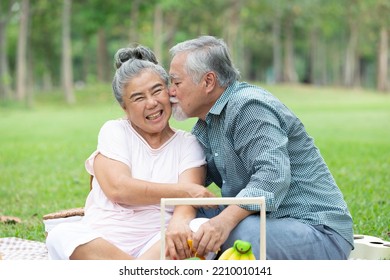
(192, 154)
(112, 143)
(263, 149)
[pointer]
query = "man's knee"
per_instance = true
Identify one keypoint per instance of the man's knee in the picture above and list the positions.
(248, 230)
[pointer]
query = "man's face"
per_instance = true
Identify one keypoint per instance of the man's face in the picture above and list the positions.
(185, 94)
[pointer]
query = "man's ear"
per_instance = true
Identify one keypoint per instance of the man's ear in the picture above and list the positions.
(210, 81)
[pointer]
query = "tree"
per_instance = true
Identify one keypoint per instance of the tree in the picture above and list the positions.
(232, 27)
(290, 74)
(277, 46)
(382, 11)
(134, 17)
(322, 42)
(67, 70)
(4, 72)
(158, 32)
(21, 66)
(383, 56)
(351, 69)
(45, 44)
(102, 56)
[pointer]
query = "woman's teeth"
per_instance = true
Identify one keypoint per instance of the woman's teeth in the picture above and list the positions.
(154, 116)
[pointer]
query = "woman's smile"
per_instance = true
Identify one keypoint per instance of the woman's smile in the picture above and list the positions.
(155, 116)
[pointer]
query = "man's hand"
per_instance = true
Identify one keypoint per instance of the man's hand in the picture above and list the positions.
(212, 234)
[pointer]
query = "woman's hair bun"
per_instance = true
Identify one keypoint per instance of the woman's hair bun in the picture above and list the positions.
(139, 52)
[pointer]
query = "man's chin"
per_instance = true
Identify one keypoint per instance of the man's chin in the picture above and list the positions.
(178, 114)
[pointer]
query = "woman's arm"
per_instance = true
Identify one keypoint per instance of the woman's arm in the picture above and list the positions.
(119, 186)
(178, 231)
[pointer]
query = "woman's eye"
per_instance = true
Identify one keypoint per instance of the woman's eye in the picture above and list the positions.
(157, 92)
(138, 99)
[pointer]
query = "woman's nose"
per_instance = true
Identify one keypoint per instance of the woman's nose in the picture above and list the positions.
(151, 102)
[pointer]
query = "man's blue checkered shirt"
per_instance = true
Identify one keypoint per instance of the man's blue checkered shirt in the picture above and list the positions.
(255, 146)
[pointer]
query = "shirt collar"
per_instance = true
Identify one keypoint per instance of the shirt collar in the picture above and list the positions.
(200, 128)
(222, 100)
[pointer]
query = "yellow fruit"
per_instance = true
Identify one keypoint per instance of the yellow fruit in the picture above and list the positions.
(235, 256)
(194, 253)
(241, 250)
(226, 255)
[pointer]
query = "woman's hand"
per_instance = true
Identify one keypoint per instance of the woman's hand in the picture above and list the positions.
(197, 191)
(177, 235)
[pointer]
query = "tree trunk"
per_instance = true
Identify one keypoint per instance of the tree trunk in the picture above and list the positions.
(310, 67)
(134, 17)
(232, 26)
(86, 60)
(351, 57)
(290, 74)
(158, 33)
(277, 48)
(102, 57)
(67, 70)
(21, 65)
(29, 80)
(383, 55)
(317, 61)
(47, 82)
(170, 28)
(4, 75)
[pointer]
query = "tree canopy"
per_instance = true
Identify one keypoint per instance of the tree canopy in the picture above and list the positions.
(320, 42)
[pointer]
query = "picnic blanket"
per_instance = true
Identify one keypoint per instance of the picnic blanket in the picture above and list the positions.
(14, 248)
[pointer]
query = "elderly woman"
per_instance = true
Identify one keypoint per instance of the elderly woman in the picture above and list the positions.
(138, 161)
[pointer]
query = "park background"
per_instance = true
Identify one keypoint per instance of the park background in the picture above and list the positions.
(327, 60)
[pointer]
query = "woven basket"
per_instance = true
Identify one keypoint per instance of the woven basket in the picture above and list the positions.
(64, 216)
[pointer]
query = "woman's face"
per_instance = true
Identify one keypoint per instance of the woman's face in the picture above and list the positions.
(146, 103)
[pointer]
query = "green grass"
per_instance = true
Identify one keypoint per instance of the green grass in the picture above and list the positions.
(43, 149)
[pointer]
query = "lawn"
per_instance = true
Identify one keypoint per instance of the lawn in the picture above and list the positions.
(43, 149)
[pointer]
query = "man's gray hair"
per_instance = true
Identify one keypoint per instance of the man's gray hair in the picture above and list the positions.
(207, 53)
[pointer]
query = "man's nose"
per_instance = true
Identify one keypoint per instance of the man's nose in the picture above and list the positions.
(171, 91)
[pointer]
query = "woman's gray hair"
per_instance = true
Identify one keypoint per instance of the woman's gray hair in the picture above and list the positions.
(207, 53)
(130, 62)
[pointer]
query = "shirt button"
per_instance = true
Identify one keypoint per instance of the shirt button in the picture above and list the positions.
(216, 154)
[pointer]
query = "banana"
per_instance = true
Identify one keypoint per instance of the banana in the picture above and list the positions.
(227, 254)
(241, 250)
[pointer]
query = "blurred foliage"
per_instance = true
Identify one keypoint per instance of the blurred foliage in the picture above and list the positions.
(99, 28)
